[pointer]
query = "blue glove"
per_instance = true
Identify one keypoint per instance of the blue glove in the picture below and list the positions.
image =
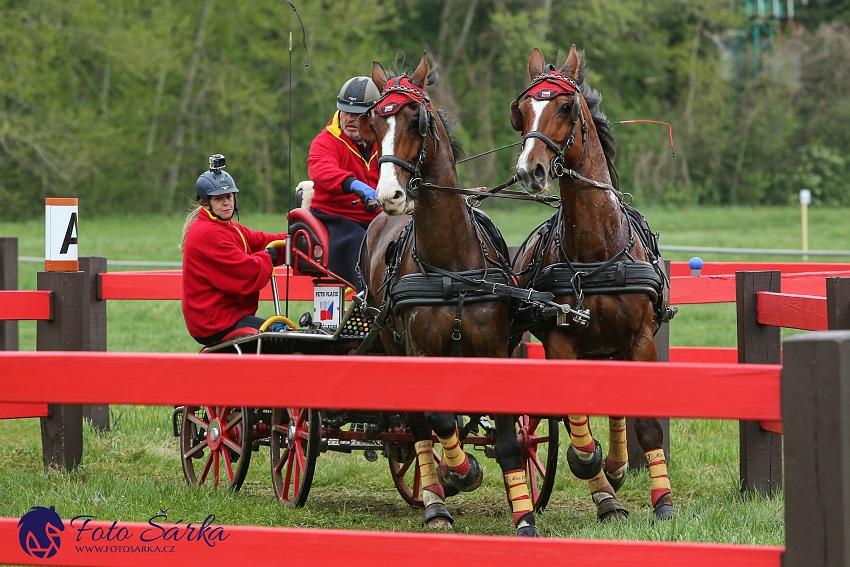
(363, 191)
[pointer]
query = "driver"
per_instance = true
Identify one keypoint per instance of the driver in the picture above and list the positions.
(344, 171)
(225, 264)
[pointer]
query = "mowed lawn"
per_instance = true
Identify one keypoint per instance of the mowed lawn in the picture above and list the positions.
(133, 471)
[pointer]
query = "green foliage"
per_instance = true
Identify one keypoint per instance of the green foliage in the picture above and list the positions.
(119, 104)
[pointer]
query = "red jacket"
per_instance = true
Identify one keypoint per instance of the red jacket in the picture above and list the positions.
(224, 269)
(333, 159)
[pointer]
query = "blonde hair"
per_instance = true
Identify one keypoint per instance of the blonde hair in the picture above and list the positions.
(190, 218)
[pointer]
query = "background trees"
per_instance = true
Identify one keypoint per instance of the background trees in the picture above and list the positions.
(120, 103)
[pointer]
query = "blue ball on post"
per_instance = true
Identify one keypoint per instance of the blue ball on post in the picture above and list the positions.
(695, 264)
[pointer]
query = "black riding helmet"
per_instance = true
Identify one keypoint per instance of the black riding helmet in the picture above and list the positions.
(215, 181)
(357, 95)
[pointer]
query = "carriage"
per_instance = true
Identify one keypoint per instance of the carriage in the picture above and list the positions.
(216, 443)
(595, 255)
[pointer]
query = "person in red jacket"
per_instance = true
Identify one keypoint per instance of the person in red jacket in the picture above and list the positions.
(225, 264)
(344, 171)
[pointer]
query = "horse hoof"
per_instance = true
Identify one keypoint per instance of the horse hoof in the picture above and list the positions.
(585, 470)
(463, 483)
(665, 512)
(617, 477)
(448, 488)
(528, 531)
(611, 509)
(437, 517)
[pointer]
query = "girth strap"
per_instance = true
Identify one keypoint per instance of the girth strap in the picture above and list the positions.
(619, 277)
(441, 287)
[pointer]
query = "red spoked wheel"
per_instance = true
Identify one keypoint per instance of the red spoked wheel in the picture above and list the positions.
(215, 445)
(406, 477)
(295, 440)
(539, 441)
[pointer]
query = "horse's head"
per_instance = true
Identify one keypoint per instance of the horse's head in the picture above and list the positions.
(400, 122)
(549, 114)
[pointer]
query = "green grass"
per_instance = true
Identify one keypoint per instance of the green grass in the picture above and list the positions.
(133, 471)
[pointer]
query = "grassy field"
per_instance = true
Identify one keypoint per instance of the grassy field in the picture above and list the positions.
(133, 471)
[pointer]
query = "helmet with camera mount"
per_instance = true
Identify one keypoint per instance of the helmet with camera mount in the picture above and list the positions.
(215, 181)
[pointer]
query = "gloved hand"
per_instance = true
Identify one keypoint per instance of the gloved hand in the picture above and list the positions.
(363, 191)
(275, 250)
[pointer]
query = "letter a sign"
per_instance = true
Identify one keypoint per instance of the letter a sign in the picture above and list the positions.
(60, 240)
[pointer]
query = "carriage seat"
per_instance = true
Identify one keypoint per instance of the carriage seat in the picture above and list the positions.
(307, 233)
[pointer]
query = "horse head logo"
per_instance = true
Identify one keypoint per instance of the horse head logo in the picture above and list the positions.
(38, 532)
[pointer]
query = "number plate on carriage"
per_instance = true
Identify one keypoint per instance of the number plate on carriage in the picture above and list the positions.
(328, 306)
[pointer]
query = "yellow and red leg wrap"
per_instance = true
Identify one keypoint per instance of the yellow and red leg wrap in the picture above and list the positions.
(428, 467)
(658, 474)
(618, 453)
(518, 494)
(580, 436)
(453, 454)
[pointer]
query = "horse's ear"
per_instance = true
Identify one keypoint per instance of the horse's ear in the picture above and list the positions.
(364, 124)
(572, 65)
(535, 64)
(517, 120)
(421, 74)
(379, 76)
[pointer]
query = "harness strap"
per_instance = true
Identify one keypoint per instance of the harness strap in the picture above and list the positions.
(616, 277)
(455, 350)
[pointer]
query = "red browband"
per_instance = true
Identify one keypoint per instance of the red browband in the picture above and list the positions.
(398, 92)
(547, 86)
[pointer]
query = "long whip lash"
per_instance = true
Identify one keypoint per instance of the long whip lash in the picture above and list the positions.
(672, 149)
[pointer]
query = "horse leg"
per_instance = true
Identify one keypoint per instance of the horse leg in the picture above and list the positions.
(617, 462)
(509, 456)
(601, 491)
(459, 471)
(437, 516)
(651, 439)
(584, 455)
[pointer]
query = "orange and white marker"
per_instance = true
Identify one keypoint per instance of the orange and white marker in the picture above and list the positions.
(60, 236)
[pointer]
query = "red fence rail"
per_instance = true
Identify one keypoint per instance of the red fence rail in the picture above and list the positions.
(638, 388)
(267, 546)
(680, 389)
(26, 305)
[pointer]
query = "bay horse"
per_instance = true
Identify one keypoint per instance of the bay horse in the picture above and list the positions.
(430, 267)
(596, 253)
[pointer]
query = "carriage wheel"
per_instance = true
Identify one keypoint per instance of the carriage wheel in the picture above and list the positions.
(407, 480)
(215, 445)
(539, 441)
(295, 440)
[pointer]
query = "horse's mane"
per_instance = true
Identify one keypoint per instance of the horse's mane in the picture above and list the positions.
(603, 126)
(450, 124)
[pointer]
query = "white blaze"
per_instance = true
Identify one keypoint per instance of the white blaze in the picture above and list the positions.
(388, 184)
(537, 107)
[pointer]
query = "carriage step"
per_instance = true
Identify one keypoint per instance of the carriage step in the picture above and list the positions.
(349, 445)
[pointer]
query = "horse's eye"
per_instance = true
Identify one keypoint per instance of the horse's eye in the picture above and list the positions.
(565, 108)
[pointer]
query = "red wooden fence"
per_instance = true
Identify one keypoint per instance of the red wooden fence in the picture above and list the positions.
(561, 387)
(338, 548)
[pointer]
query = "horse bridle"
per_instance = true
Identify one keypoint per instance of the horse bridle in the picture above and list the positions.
(427, 125)
(556, 166)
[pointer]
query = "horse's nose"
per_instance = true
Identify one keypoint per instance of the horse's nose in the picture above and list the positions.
(523, 176)
(398, 194)
(539, 173)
